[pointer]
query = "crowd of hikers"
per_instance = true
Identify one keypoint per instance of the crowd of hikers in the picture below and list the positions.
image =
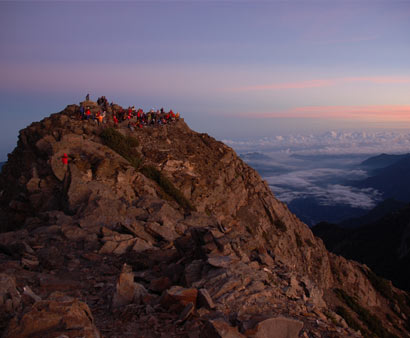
(113, 114)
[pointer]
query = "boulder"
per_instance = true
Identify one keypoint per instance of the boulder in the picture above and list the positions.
(177, 295)
(10, 298)
(205, 299)
(186, 313)
(141, 245)
(161, 212)
(219, 261)
(127, 291)
(64, 317)
(193, 272)
(163, 231)
(279, 327)
(218, 328)
(160, 284)
(137, 228)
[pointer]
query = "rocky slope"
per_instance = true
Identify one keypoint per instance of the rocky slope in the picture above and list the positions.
(188, 241)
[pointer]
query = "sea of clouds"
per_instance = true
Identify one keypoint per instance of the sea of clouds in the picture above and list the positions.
(321, 166)
(331, 142)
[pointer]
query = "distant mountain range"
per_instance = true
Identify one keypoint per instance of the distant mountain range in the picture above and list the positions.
(311, 211)
(382, 161)
(383, 208)
(391, 176)
(383, 244)
(255, 156)
(381, 238)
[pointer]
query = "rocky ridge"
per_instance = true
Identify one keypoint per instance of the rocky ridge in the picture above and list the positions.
(99, 248)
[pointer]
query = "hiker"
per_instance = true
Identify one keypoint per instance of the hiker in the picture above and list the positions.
(64, 159)
(130, 126)
(88, 114)
(82, 113)
(115, 120)
(99, 118)
(87, 97)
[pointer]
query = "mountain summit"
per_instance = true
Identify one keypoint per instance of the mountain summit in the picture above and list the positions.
(159, 231)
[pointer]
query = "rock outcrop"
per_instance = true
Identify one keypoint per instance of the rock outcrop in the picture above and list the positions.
(186, 240)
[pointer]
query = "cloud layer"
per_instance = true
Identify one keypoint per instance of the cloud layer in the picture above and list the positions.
(329, 143)
(312, 183)
(322, 167)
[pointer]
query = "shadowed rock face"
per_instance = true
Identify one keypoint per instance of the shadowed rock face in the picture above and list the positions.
(241, 263)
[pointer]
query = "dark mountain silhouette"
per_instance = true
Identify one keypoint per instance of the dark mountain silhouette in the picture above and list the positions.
(383, 244)
(160, 231)
(311, 211)
(255, 156)
(382, 161)
(382, 209)
(392, 181)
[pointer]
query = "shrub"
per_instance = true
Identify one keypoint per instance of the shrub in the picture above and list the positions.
(266, 236)
(380, 284)
(249, 229)
(124, 146)
(309, 242)
(299, 242)
(341, 311)
(280, 225)
(372, 322)
(167, 186)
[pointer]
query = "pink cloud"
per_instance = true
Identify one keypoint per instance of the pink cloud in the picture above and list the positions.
(369, 112)
(325, 83)
(289, 85)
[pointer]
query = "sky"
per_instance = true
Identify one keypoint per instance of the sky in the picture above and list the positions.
(233, 69)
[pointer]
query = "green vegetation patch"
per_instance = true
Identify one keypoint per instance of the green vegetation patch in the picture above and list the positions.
(280, 225)
(310, 243)
(299, 242)
(372, 322)
(123, 145)
(385, 289)
(380, 284)
(167, 186)
(341, 311)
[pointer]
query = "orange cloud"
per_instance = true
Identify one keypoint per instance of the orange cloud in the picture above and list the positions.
(324, 83)
(370, 112)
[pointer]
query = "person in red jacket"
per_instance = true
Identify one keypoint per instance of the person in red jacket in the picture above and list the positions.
(64, 159)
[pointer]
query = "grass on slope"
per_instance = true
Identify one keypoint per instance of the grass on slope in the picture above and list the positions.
(166, 185)
(125, 146)
(372, 322)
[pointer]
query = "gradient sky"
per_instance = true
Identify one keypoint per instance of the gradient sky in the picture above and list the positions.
(234, 69)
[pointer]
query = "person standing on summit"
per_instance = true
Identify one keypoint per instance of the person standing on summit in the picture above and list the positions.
(87, 97)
